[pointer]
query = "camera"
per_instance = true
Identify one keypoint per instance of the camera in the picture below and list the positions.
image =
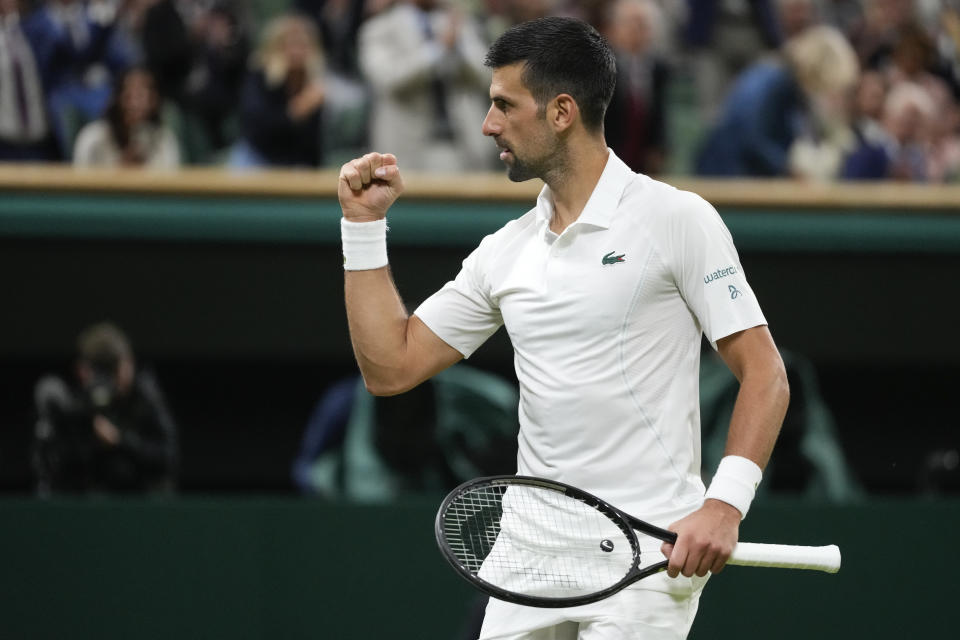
(102, 389)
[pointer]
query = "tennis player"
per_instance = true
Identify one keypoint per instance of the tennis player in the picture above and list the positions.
(605, 288)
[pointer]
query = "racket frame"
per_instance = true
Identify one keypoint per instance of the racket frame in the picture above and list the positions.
(623, 521)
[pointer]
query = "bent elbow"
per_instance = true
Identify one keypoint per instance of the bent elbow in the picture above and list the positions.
(382, 388)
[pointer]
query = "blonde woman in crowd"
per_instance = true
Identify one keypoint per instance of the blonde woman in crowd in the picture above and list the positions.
(774, 102)
(131, 132)
(281, 107)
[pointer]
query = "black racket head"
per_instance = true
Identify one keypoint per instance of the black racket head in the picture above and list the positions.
(536, 542)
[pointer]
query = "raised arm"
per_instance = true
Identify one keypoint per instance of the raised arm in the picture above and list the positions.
(707, 536)
(395, 351)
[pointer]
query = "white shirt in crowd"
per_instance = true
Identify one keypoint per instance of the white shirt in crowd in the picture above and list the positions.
(95, 146)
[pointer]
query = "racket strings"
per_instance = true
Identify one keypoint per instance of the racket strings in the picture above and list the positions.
(536, 541)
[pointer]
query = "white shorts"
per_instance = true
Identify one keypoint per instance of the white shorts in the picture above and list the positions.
(663, 612)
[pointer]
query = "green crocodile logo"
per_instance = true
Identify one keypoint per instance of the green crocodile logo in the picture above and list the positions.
(612, 259)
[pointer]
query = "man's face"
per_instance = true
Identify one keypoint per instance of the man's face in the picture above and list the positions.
(122, 377)
(527, 144)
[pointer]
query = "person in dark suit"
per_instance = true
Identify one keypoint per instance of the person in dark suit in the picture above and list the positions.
(23, 118)
(635, 123)
(281, 106)
(724, 38)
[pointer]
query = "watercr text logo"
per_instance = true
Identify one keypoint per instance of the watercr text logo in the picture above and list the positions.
(719, 273)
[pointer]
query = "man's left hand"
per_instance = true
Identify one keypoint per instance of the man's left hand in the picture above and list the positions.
(705, 540)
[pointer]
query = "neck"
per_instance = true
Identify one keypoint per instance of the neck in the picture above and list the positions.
(574, 178)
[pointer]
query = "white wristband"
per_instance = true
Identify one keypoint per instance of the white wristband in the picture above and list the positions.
(364, 244)
(736, 482)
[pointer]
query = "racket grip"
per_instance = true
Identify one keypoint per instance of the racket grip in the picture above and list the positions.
(750, 554)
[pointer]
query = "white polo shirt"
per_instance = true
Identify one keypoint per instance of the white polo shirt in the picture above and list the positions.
(605, 321)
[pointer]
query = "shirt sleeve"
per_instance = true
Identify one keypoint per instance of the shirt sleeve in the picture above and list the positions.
(462, 313)
(708, 272)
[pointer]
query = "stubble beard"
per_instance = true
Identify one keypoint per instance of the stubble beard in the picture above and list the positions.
(549, 165)
(520, 171)
(523, 170)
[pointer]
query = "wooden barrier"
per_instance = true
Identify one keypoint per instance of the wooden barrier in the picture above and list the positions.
(771, 194)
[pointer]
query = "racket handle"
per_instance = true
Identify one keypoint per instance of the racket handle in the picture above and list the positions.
(750, 554)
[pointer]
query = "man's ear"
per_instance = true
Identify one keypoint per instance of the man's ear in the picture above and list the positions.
(563, 112)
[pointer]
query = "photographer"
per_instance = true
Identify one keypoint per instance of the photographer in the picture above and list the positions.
(111, 433)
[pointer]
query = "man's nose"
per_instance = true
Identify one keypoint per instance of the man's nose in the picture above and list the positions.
(490, 126)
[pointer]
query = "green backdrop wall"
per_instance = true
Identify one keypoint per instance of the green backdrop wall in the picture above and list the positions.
(257, 569)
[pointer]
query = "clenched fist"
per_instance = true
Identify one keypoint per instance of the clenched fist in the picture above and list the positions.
(368, 186)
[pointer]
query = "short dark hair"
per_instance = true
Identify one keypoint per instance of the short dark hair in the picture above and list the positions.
(561, 55)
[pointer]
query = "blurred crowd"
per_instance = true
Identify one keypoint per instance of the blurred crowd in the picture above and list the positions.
(815, 89)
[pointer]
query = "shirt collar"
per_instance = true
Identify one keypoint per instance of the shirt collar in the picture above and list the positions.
(603, 202)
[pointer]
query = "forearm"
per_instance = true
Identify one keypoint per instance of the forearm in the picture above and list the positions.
(758, 413)
(707, 536)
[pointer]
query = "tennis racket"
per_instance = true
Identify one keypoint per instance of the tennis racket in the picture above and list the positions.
(542, 543)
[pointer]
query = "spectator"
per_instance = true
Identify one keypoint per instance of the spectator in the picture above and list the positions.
(635, 123)
(763, 114)
(23, 118)
(338, 22)
(947, 36)
(868, 104)
(199, 60)
(593, 12)
(874, 36)
(78, 51)
(796, 16)
(901, 153)
(908, 113)
(500, 15)
(281, 107)
(825, 136)
(943, 162)
(914, 58)
(131, 133)
(113, 432)
(212, 89)
(844, 15)
(346, 110)
(818, 152)
(868, 158)
(424, 64)
(167, 47)
(725, 36)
